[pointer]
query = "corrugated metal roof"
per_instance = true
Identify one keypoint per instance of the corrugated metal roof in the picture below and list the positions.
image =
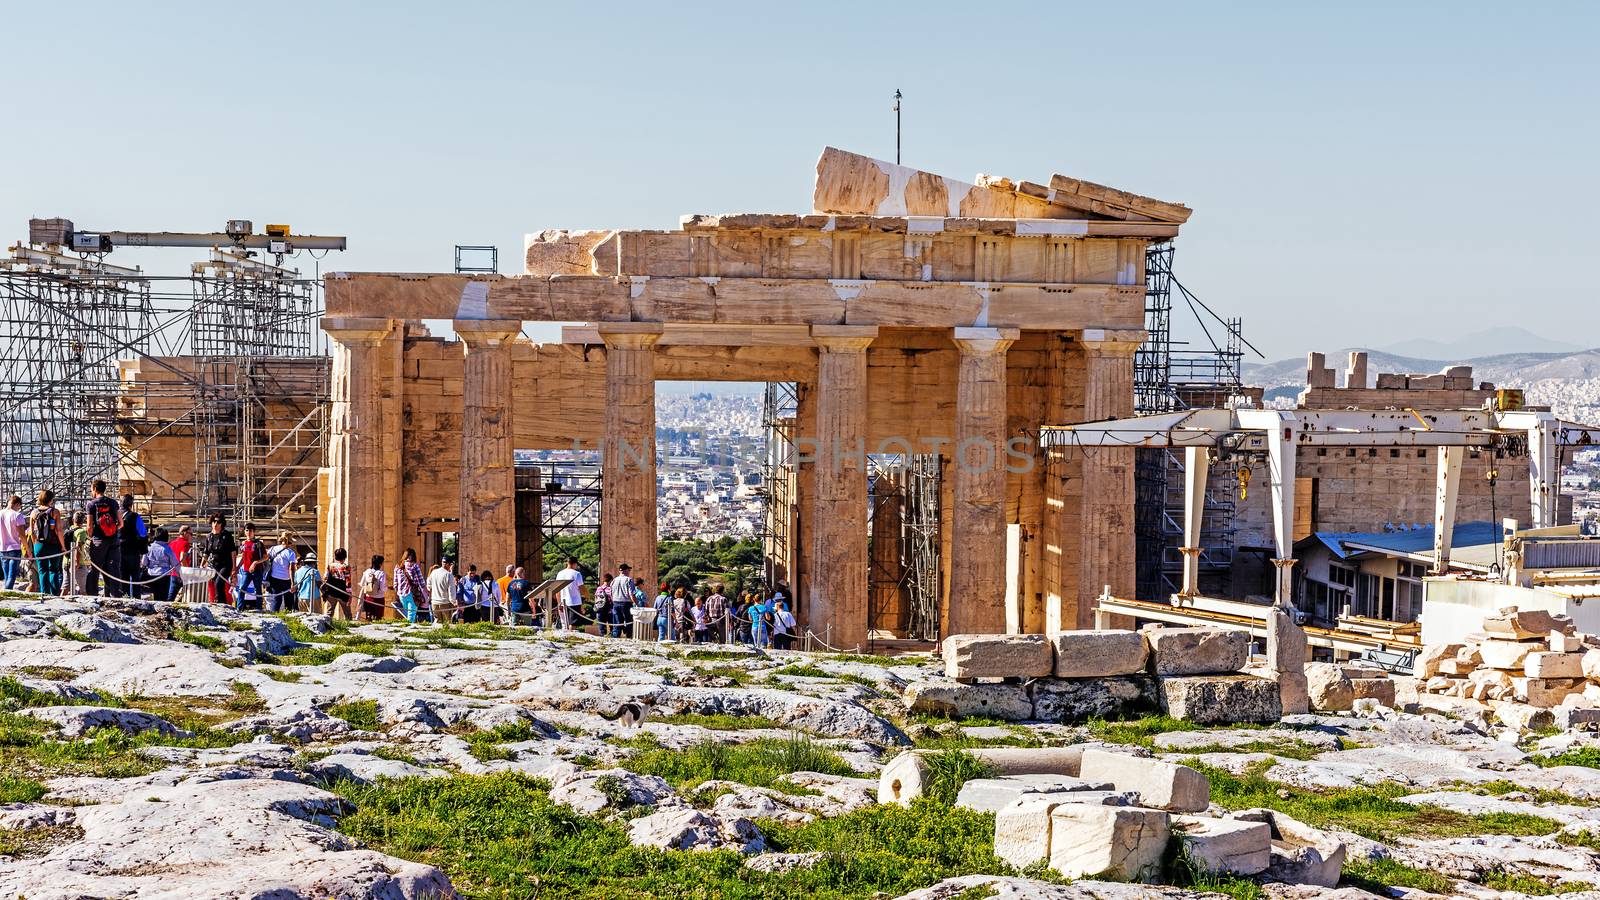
(1345, 544)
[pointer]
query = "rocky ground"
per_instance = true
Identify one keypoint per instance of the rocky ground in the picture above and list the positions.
(158, 750)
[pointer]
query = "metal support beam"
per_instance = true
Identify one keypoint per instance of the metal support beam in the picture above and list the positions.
(1196, 468)
(1444, 506)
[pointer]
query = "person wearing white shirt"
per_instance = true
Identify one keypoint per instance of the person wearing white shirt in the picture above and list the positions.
(621, 598)
(442, 591)
(572, 593)
(783, 626)
(12, 524)
(280, 575)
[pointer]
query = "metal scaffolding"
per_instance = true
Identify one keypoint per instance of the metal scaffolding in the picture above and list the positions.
(779, 541)
(105, 368)
(1169, 378)
(905, 585)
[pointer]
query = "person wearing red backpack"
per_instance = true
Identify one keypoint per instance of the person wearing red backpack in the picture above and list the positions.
(105, 545)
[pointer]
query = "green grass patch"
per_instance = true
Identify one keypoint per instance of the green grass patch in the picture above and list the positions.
(1588, 757)
(1288, 749)
(23, 843)
(1139, 732)
(32, 752)
(494, 836)
(1372, 812)
(1537, 795)
(362, 714)
(20, 790)
(282, 675)
(875, 660)
(947, 771)
(956, 739)
(485, 745)
(199, 639)
(761, 763)
(50, 673)
(589, 659)
(1533, 886)
(719, 655)
(935, 720)
(717, 721)
(1589, 840)
(7, 612)
(16, 695)
(1379, 875)
(65, 633)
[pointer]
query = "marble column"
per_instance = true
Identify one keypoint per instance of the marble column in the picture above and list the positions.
(978, 568)
(628, 458)
(355, 519)
(1105, 543)
(837, 601)
(488, 531)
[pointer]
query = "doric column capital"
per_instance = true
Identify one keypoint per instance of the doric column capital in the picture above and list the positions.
(1111, 341)
(843, 338)
(984, 341)
(477, 333)
(630, 335)
(354, 331)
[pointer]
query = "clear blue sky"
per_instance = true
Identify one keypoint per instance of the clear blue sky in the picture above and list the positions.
(1360, 173)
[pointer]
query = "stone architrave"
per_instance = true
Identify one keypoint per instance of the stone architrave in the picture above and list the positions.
(839, 540)
(1098, 654)
(997, 656)
(628, 457)
(1197, 651)
(488, 530)
(355, 434)
(978, 570)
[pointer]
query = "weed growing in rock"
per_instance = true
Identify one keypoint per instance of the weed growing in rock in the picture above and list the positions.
(20, 790)
(1379, 875)
(761, 763)
(282, 675)
(947, 771)
(1578, 756)
(717, 721)
(50, 673)
(492, 835)
(1181, 870)
(1373, 812)
(362, 714)
(199, 639)
(1499, 879)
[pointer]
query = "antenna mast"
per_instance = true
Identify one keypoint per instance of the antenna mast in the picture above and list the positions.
(897, 126)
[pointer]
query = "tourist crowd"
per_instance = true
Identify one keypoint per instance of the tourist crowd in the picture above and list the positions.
(109, 547)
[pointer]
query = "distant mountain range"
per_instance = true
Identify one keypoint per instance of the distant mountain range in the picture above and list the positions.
(1489, 342)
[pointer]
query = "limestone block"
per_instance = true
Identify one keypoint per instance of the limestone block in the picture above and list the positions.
(1566, 643)
(1498, 654)
(1389, 381)
(1546, 692)
(1076, 699)
(1469, 654)
(1380, 689)
(1226, 845)
(1456, 667)
(943, 697)
(1159, 784)
(997, 656)
(1122, 841)
(1566, 717)
(994, 794)
(903, 779)
(1521, 716)
(1022, 831)
(1524, 624)
(1329, 689)
(1300, 854)
(1197, 651)
(1097, 654)
(1428, 660)
(1215, 699)
(1554, 665)
(1294, 693)
(1591, 664)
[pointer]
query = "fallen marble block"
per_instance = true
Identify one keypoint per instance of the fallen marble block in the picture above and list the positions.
(1098, 654)
(1226, 845)
(1117, 841)
(1159, 784)
(993, 794)
(1214, 699)
(1197, 651)
(947, 697)
(997, 656)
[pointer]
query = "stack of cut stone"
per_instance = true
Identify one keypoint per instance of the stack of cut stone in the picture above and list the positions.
(1531, 658)
(1117, 814)
(1188, 673)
